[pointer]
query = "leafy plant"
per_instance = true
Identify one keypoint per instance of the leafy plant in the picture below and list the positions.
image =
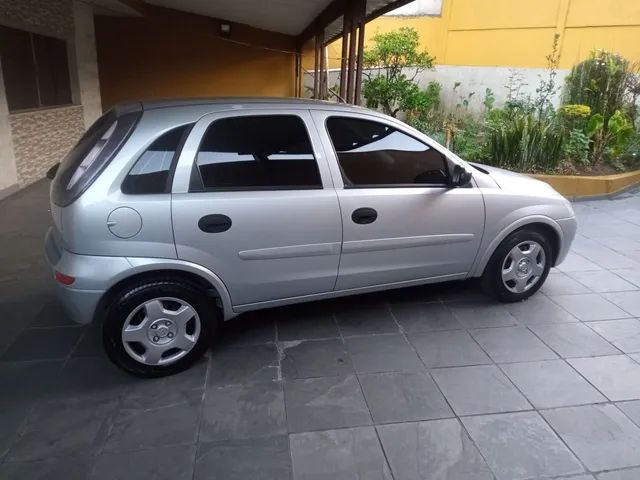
(387, 84)
(599, 82)
(576, 146)
(525, 143)
(547, 87)
(489, 99)
(614, 138)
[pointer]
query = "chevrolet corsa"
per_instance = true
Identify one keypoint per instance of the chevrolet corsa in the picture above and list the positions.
(171, 217)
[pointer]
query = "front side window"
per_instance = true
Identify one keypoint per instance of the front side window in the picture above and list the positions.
(151, 172)
(375, 154)
(266, 152)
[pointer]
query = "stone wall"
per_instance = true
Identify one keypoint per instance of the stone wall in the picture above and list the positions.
(54, 17)
(43, 137)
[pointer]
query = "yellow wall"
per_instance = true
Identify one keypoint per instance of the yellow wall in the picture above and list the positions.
(519, 33)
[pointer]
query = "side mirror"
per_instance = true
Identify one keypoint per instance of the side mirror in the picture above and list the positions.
(460, 176)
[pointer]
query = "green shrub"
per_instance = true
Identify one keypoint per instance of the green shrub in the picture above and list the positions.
(524, 143)
(599, 82)
(576, 146)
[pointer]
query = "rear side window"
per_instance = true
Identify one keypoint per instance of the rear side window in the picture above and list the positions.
(374, 154)
(152, 171)
(267, 152)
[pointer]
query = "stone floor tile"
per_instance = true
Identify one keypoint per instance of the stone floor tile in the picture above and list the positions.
(551, 383)
(325, 403)
(314, 358)
(520, 445)
(617, 377)
(624, 334)
(159, 463)
(43, 344)
(589, 306)
(382, 353)
(631, 275)
(90, 344)
(59, 469)
(574, 340)
(338, 455)
(13, 417)
(479, 389)
(512, 344)
(254, 458)
(603, 281)
(243, 411)
(306, 322)
(487, 313)
(627, 474)
(424, 317)
(627, 301)
(64, 428)
(403, 397)
(600, 435)
(235, 365)
(561, 284)
(435, 450)
(365, 319)
(138, 427)
(448, 349)
(577, 263)
(538, 309)
(632, 410)
(251, 328)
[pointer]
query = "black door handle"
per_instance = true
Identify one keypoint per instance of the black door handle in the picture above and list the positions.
(364, 215)
(214, 223)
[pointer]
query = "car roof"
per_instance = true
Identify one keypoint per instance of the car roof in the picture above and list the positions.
(246, 102)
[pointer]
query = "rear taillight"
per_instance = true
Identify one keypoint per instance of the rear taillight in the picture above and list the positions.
(64, 279)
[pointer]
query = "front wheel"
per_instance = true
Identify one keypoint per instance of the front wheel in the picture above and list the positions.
(158, 328)
(518, 267)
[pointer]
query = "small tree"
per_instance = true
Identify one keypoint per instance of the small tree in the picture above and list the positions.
(387, 84)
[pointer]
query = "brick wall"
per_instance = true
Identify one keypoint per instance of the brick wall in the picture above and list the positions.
(43, 137)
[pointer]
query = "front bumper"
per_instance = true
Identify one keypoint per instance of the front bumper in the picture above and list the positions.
(569, 227)
(93, 276)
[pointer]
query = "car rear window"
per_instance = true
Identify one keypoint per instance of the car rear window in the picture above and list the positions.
(266, 152)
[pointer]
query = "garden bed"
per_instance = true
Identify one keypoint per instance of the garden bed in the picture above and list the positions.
(591, 186)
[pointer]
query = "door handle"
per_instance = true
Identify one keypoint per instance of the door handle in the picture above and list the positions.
(364, 215)
(214, 223)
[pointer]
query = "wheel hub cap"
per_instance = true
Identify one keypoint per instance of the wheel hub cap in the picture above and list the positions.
(161, 331)
(523, 266)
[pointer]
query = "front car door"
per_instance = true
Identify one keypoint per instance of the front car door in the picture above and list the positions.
(402, 222)
(253, 202)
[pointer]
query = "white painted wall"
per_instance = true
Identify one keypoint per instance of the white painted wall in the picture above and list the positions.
(474, 79)
(418, 7)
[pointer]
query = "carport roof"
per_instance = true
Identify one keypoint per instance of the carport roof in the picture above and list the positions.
(300, 18)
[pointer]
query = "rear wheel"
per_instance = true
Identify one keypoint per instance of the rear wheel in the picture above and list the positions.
(158, 328)
(518, 267)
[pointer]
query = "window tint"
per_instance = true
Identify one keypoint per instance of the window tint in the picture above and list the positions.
(151, 173)
(35, 69)
(254, 153)
(372, 153)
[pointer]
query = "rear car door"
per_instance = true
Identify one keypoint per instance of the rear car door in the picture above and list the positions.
(253, 202)
(402, 222)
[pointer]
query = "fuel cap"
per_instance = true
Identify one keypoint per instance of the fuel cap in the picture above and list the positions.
(124, 222)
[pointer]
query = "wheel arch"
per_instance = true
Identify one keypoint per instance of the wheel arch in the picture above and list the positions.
(544, 225)
(156, 269)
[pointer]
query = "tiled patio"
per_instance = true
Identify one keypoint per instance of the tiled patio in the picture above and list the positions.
(426, 383)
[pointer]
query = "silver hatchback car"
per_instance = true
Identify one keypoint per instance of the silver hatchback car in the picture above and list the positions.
(170, 217)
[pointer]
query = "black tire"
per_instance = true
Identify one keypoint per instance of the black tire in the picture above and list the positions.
(131, 298)
(491, 280)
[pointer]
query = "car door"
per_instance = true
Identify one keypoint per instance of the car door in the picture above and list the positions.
(402, 222)
(253, 202)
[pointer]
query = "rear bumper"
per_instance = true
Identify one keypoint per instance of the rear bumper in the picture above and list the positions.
(92, 274)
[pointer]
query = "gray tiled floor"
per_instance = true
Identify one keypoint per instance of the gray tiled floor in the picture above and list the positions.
(432, 383)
